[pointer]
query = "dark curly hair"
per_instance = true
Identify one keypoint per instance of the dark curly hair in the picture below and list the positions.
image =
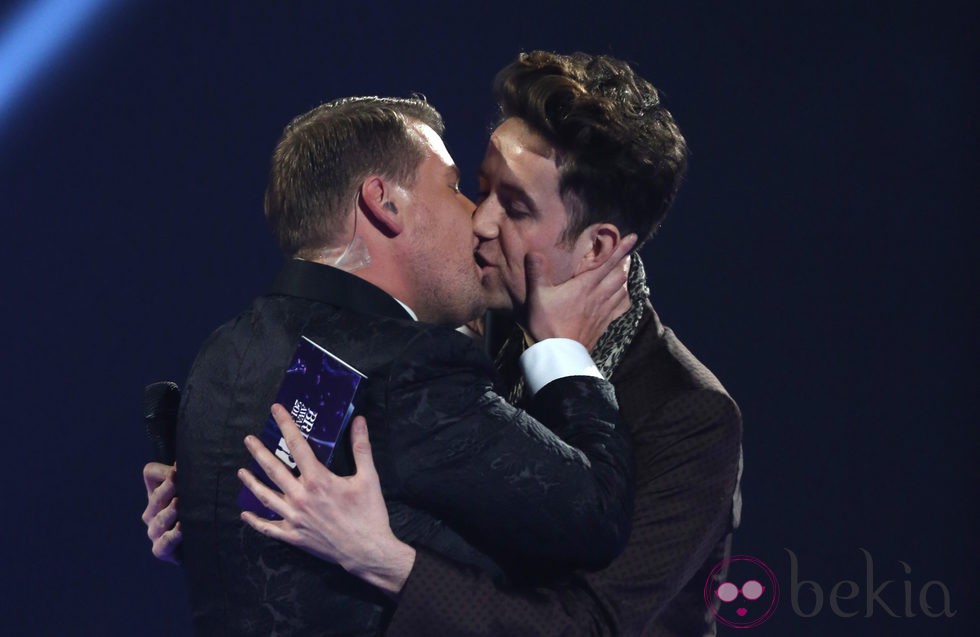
(325, 153)
(621, 156)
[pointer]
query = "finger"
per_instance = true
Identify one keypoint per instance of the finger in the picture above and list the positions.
(269, 498)
(604, 294)
(159, 499)
(618, 295)
(609, 279)
(361, 443)
(277, 472)
(299, 448)
(163, 521)
(618, 257)
(613, 285)
(622, 254)
(267, 528)
(154, 473)
(537, 271)
(166, 490)
(165, 547)
(625, 247)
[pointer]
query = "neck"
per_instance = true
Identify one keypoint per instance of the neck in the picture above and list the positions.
(378, 272)
(354, 256)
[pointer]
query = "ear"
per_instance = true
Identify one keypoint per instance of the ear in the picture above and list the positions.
(596, 244)
(377, 205)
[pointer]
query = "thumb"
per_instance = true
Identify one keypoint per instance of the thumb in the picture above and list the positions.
(537, 271)
(361, 444)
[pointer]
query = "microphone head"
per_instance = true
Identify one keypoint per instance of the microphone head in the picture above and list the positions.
(161, 401)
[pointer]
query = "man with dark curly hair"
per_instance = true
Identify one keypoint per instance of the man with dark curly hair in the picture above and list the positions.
(584, 154)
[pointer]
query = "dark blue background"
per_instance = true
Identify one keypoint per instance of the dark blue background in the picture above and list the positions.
(821, 259)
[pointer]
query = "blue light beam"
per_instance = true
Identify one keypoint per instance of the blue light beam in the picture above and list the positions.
(34, 36)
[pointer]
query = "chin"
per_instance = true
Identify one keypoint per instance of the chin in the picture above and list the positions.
(500, 303)
(496, 295)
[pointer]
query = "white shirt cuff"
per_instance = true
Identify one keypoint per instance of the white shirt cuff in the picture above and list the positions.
(555, 358)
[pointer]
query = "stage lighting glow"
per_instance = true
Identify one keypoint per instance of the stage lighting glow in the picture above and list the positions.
(33, 36)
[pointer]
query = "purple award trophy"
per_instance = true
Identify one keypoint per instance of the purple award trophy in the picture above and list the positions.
(319, 391)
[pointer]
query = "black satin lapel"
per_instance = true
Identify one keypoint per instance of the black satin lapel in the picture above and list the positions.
(309, 280)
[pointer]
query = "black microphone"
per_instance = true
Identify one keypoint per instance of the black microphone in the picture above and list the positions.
(160, 402)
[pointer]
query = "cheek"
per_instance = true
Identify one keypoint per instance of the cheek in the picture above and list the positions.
(514, 247)
(543, 239)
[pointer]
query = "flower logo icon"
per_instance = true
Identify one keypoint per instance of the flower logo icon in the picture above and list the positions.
(741, 592)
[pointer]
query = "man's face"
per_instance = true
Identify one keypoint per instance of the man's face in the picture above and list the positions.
(446, 277)
(521, 210)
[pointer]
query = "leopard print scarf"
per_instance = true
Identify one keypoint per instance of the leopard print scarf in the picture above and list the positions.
(609, 349)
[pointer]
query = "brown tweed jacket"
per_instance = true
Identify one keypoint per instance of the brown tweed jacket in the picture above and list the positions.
(687, 441)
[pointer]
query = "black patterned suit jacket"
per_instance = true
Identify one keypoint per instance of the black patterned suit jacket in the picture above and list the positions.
(455, 460)
(686, 433)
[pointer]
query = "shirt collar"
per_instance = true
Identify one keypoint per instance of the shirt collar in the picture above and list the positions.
(326, 284)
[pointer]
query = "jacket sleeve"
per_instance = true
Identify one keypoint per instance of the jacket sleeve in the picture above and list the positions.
(680, 514)
(560, 496)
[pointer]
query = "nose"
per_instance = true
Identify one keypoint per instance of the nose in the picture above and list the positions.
(486, 220)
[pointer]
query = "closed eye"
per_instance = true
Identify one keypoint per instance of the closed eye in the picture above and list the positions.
(515, 210)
